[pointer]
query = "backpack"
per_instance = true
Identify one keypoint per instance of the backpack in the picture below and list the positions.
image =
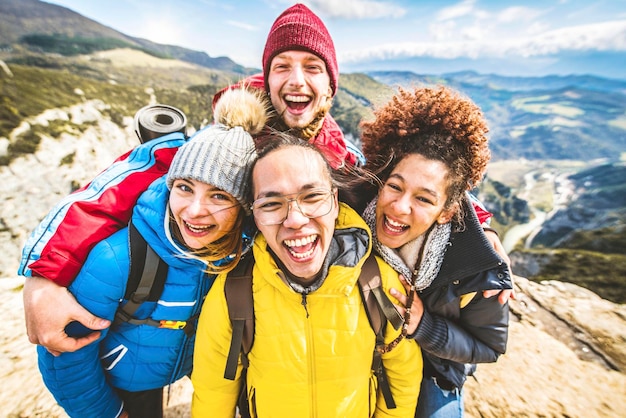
(146, 279)
(238, 290)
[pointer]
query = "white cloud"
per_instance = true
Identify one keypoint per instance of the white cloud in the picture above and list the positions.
(537, 28)
(242, 25)
(467, 22)
(464, 8)
(474, 33)
(443, 31)
(356, 9)
(605, 36)
(517, 14)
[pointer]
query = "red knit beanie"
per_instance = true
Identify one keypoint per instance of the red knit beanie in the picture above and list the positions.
(298, 28)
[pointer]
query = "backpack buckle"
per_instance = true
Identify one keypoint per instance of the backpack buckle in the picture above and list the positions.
(172, 324)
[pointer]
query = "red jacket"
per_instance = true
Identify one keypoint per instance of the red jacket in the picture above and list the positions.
(59, 245)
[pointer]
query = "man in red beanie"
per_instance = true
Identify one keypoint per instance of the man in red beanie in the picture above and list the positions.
(300, 75)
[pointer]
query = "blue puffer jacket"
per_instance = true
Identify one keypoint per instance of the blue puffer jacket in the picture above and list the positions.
(129, 357)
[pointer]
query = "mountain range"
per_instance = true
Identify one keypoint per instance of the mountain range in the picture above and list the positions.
(602, 63)
(20, 19)
(552, 117)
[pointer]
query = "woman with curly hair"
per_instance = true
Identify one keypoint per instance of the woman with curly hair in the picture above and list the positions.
(429, 147)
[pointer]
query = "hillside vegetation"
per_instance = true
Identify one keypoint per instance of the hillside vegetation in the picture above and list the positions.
(583, 236)
(31, 90)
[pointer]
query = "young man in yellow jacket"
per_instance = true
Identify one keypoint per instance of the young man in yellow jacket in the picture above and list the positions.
(313, 343)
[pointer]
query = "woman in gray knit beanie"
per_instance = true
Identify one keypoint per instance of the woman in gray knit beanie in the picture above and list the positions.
(208, 179)
(193, 220)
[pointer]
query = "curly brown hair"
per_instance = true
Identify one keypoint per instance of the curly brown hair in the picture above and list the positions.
(437, 123)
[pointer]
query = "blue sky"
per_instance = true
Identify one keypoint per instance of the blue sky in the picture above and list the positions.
(507, 37)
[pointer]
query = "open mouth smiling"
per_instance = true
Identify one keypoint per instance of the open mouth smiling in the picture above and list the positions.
(298, 102)
(301, 248)
(394, 227)
(198, 229)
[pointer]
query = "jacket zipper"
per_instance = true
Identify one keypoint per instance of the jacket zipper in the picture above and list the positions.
(310, 358)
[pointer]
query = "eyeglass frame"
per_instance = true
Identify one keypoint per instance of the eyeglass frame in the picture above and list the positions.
(331, 195)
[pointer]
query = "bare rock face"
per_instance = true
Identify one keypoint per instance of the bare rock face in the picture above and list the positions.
(565, 357)
(31, 185)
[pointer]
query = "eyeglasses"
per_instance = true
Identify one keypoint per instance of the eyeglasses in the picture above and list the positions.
(273, 210)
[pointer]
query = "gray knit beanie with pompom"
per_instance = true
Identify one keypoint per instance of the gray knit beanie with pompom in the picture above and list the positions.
(222, 154)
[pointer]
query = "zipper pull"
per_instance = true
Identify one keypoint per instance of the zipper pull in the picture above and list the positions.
(304, 304)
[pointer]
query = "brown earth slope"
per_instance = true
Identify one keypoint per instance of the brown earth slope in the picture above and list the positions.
(554, 365)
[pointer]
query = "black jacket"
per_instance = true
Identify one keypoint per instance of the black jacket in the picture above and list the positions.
(454, 339)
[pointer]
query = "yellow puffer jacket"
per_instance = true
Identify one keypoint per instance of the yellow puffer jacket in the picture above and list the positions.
(304, 363)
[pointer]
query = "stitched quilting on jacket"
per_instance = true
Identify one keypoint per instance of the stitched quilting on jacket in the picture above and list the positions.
(459, 327)
(306, 361)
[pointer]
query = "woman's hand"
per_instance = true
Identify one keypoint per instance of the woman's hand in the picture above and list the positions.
(503, 295)
(417, 307)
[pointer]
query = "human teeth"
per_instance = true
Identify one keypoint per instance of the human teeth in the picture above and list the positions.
(301, 255)
(299, 99)
(396, 224)
(196, 228)
(292, 244)
(300, 241)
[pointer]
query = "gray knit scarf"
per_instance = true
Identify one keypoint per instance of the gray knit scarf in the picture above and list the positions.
(435, 242)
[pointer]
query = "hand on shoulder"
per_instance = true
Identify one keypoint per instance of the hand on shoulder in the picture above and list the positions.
(48, 309)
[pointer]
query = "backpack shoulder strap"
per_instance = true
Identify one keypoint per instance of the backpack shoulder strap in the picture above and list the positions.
(238, 290)
(376, 302)
(146, 277)
(379, 310)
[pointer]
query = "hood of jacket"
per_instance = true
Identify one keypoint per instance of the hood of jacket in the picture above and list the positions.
(469, 253)
(151, 218)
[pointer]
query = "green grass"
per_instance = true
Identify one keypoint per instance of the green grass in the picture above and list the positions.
(32, 90)
(604, 274)
(354, 101)
(76, 45)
